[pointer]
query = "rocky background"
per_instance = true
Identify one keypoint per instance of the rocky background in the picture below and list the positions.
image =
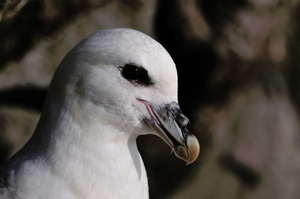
(239, 79)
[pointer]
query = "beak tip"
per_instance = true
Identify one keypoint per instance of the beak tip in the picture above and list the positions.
(193, 147)
(190, 152)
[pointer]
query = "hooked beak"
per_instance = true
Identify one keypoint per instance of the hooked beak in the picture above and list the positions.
(171, 125)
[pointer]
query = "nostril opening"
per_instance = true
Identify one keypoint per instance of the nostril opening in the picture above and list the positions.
(245, 174)
(182, 121)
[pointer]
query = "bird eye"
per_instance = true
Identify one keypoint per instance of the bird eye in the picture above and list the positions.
(136, 74)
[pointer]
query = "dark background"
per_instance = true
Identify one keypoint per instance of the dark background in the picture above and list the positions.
(238, 67)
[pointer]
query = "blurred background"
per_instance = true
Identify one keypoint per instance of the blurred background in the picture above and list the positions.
(239, 77)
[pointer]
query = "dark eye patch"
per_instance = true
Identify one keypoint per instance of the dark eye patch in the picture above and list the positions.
(136, 74)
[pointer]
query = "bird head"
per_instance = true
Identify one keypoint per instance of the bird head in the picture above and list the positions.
(133, 79)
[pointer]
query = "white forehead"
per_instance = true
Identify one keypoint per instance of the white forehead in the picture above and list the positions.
(123, 46)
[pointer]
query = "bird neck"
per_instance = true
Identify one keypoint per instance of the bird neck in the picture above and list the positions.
(89, 155)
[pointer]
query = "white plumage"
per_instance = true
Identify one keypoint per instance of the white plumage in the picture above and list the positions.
(112, 87)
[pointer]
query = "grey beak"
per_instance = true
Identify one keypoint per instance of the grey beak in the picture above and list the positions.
(171, 125)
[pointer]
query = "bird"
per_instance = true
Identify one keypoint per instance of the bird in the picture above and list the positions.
(112, 87)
